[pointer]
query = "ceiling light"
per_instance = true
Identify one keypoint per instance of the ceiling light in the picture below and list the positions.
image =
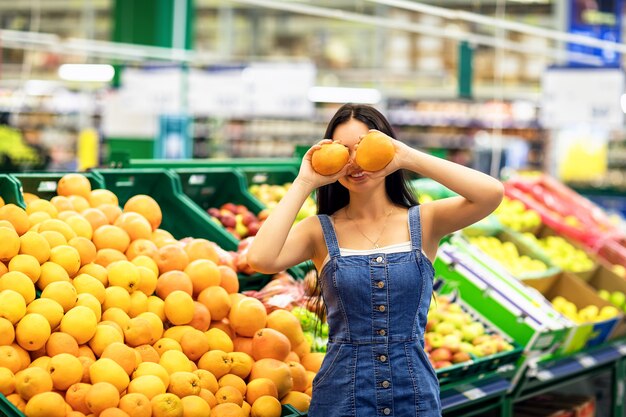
(86, 72)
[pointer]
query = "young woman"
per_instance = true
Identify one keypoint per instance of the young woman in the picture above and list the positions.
(373, 247)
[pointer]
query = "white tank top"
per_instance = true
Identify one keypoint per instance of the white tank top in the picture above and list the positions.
(397, 247)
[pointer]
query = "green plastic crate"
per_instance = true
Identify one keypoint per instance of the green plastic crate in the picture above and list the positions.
(269, 174)
(289, 411)
(44, 184)
(10, 190)
(8, 409)
(214, 162)
(212, 187)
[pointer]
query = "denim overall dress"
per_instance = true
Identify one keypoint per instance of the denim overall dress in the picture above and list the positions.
(377, 304)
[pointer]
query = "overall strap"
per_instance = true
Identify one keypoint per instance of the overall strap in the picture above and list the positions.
(415, 228)
(329, 235)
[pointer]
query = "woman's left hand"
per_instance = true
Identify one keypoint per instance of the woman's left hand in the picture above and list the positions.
(400, 155)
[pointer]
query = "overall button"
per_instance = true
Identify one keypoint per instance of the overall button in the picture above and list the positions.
(382, 332)
(381, 308)
(387, 411)
(382, 358)
(380, 284)
(379, 259)
(385, 384)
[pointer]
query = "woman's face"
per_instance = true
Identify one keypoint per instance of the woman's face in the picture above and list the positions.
(349, 134)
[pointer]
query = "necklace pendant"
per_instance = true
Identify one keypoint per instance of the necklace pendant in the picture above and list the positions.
(376, 246)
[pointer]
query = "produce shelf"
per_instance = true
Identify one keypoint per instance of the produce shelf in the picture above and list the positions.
(473, 392)
(211, 162)
(44, 184)
(10, 190)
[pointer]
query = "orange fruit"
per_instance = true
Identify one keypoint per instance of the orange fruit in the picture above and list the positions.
(32, 381)
(247, 316)
(195, 406)
(53, 237)
(42, 205)
(86, 249)
(17, 401)
(298, 375)
(286, 323)
(7, 332)
(146, 261)
(80, 203)
(228, 394)
(299, 400)
(101, 196)
(230, 380)
(215, 361)
(162, 237)
(270, 343)
(135, 225)
(80, 226)
(227, 410)
(63, 292)
(17, 216)
(155, 323)
(66, 256)
(175, 361)
(260, 387)
(100, 396)
(167, 405)
(312, 361)
(184, 383)
(201, 249)
(117, 316)
(95, 217)
(138, 331)
(111, 237)
(10, 244)
(203, 273)
(122, 354)
(241, 364)
(49, 308)
(52, 272)
(171, 257)
(194, 344)
(113, 412)
(79, 322)
(275, 370)
(123, 274)
(148, 353)
(37, 217)
(65, 370)
(32, 243)
(46, 404)
(61, 203)
(116, 297)
(374, 151)
(216, 300)
(136, 405)
(60, 342)
(179, 307)
(201, 317)
(32, 331)
(26, 264)
(166, 343)
(111, 211)
(171, 281)
(266, 406)
(106, 256)
(228, 279)
(330, 158)
(20, 282)
(85, 283)
(56, 225)
(7, 382)
(207, 380)
(147, 207)
(152, 368)
(147, 281)
(97, 271)
(219, 339)
(12, 305)
(75, 397)
(138, 303)
(74, 184)
(141, 247)
(148, 385)
(107, 370)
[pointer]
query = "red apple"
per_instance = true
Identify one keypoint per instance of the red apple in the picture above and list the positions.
(229, 220)
(441, 354)
(241, 209)
(247, 218)
(230, 207)
(253, 228)
(442, 364)
(215, 212)
(461, 357)
(263, 214)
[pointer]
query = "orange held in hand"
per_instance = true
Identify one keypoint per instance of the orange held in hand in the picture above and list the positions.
(375, 151)
(330, 158)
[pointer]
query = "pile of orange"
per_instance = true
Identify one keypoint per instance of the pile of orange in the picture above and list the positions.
(131, 321)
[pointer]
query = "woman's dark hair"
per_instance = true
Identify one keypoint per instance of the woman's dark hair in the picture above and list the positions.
(335, 196)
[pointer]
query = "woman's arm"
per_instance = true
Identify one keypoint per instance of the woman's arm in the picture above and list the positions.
(278, 245)
(479, 194)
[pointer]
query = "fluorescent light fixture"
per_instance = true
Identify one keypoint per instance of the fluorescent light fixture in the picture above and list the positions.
(344, 95)
(86, 72)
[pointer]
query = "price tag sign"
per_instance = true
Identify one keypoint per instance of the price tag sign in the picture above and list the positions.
(586, 361)
(544, 375)
(474, 393)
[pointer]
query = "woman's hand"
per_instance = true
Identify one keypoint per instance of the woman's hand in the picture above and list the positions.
(310, 177)
(398, 162)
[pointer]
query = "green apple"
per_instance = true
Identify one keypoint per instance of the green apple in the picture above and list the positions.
(618, 299)
(604, 294)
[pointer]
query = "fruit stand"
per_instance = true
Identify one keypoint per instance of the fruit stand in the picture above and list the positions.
(527, 305)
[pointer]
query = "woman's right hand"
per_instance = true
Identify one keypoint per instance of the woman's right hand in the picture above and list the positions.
(310, 177)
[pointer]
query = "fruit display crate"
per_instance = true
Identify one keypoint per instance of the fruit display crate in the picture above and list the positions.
(261, 163)
(273, 175)
(478, 366)
(530, 322)
(10, 190)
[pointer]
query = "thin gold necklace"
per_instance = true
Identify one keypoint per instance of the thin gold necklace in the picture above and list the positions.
(373, 242)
